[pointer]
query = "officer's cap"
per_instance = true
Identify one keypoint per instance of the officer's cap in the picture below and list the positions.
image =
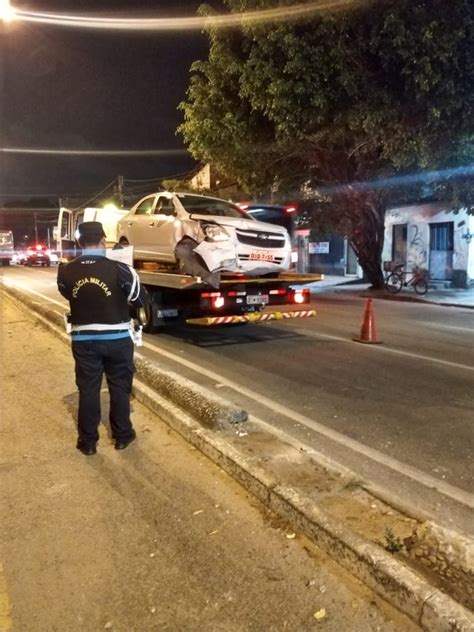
(90, 231)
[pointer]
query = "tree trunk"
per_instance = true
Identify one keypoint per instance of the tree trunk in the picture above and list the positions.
(368, 236)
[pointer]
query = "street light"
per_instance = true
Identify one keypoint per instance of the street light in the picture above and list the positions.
(7, 12)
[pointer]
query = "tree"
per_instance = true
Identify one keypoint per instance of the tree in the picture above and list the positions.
(337, 103)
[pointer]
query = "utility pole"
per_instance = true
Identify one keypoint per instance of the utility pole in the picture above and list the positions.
(36, 227)
(120, 191)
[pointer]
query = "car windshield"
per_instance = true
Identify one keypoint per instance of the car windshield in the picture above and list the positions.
(273, 215)
(211, 206)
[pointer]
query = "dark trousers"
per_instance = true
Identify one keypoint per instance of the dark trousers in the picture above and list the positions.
(94, 358)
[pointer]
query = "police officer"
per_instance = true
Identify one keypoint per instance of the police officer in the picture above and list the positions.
(99, 292)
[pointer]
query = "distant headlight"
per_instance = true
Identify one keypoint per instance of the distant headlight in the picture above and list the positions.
(214, 232)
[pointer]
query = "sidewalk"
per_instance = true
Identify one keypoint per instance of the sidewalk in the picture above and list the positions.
(454, 297)
(152, 538)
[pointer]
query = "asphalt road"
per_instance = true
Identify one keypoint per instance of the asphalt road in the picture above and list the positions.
(400, 414)
(155, 537)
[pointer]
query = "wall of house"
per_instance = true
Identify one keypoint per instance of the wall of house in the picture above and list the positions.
(418, 219)
(202, 179)
(470, 258)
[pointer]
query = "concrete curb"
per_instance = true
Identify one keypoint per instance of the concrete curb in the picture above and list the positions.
(433, 610)
(210, 410)
(403, 298)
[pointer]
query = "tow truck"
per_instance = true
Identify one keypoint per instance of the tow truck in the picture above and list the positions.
(173, 297)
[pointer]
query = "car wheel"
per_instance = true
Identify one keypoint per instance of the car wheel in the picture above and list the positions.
(186, 259)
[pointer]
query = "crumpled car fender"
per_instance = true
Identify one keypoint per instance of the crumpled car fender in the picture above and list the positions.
(217, 256)
(188, 228)
(191, 263)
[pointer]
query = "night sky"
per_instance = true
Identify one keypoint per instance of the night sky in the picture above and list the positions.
(92, 89)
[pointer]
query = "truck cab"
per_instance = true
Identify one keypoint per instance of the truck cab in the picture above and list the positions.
(65, 233)
(6, 247)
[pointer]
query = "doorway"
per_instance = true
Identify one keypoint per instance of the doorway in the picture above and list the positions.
(441, 250)
(399, 243)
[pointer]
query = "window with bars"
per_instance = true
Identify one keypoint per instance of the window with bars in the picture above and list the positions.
(441, 236)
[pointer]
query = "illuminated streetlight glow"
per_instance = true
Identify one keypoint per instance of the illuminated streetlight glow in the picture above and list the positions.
(261, 16)
(7, 12)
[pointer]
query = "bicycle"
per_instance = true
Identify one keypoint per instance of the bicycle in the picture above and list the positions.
(400, 278)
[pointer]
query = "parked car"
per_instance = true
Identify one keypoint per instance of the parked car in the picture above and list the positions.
(38, 255)
(272, 213)
(175, 227)
(276, 214)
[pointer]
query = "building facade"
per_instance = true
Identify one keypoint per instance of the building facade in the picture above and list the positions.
(434, 238)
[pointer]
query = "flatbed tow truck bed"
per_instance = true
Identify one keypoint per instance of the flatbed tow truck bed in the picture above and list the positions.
(174, 297)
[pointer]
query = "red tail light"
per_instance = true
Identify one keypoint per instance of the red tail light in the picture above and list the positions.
(210, 294)
(291, 209)
(301, 296)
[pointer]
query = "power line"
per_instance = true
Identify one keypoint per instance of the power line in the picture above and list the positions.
(131, 188)
(22, 194)
(92, 152)
(168, 177)
(95, 196)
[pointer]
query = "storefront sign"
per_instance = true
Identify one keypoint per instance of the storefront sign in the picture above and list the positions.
(318, 247)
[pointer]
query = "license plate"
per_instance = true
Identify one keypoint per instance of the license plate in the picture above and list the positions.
(167, 313)
(261, 256)
(257, 299)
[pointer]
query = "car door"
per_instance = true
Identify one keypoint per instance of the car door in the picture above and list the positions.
(161, 234)
(137, 225)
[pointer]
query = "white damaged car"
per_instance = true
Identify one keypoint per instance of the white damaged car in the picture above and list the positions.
(191, 230)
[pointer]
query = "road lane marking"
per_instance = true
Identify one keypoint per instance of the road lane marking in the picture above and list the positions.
(27, 289)
(384, 348)
(454, 327)
(313, 334)
(5, 604)
(402, 468)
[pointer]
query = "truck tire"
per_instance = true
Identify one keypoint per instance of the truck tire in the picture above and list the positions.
(145, 317)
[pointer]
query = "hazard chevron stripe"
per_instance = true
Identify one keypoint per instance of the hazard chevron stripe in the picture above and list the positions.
(252, 317)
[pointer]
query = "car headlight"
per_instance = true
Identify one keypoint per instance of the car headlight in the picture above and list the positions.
(214, 232)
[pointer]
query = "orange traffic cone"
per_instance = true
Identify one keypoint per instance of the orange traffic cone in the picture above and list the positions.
(367, 331)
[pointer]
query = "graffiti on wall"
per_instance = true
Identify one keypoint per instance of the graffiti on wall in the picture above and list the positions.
(460, 251)
(418, 250)
(420, 223)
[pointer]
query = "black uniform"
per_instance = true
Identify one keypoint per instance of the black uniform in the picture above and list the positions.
(99, 292)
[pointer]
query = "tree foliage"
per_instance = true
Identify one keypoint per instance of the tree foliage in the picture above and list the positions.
(335, 104)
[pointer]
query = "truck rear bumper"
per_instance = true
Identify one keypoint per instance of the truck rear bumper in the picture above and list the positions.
(252, 317)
